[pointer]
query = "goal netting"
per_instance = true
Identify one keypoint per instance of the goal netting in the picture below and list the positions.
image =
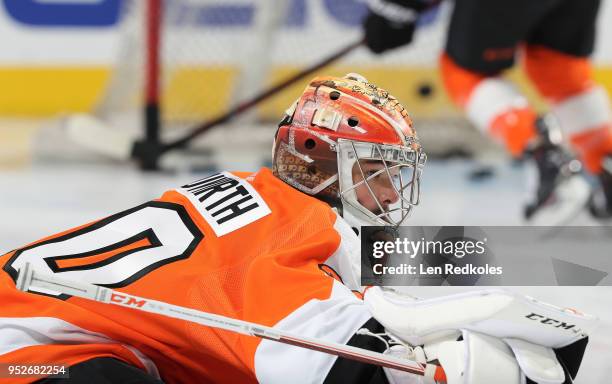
(215, 53)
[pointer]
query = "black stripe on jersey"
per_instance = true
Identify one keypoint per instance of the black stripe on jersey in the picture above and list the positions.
(354, 372)
(148, 235)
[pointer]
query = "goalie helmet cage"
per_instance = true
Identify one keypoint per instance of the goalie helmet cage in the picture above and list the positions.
(182, 62)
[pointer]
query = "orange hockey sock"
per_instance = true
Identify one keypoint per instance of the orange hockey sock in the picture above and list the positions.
(515, 128)
(557, 75)
(492, 104)
(593, 145)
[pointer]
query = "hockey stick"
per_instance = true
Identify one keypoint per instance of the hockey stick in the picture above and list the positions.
(28, 277)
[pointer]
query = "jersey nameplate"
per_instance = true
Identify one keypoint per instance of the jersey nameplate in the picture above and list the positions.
(225, 201)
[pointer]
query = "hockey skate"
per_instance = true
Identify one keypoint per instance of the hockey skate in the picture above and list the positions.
(557, 188)
(600, 203)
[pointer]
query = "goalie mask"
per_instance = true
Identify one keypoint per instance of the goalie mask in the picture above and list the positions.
(352, 145)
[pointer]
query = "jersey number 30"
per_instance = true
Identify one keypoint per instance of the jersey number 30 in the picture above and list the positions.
(117, 250)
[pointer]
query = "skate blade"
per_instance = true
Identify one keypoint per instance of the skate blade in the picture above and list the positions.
(570, 198)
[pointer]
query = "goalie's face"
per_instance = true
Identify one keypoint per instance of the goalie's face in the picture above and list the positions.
(379, 183)
(375, 189)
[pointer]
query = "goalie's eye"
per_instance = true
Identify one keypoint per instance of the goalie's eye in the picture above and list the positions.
(382, 174)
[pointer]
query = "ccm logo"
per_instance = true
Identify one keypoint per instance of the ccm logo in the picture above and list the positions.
(126, 300)
(548, 320)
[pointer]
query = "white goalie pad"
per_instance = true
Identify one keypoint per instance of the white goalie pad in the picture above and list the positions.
(495, 312)
(488, 360)
(477, 359)
(538, 363)
(482, 359)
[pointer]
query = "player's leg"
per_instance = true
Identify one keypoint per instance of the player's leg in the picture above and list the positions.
(104, 370)
(492, 104)
(483, 39)
(556, 60)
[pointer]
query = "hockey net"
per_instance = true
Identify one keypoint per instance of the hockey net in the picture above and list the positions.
(216, 53)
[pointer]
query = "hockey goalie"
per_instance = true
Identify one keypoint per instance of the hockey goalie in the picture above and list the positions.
(279, 248)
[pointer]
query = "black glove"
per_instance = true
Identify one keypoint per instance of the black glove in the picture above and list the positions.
(391, 23)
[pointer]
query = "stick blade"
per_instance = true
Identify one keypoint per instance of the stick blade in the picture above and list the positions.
(94, 134)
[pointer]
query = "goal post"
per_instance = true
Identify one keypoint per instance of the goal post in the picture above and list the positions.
(154, 17)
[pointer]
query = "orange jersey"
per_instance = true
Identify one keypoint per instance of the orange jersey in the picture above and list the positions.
(245, 246)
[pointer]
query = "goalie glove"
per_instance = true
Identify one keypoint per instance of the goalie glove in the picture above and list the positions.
(391, 23)
(493, 336)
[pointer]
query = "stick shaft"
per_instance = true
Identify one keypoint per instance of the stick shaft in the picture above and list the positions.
(28, 278)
